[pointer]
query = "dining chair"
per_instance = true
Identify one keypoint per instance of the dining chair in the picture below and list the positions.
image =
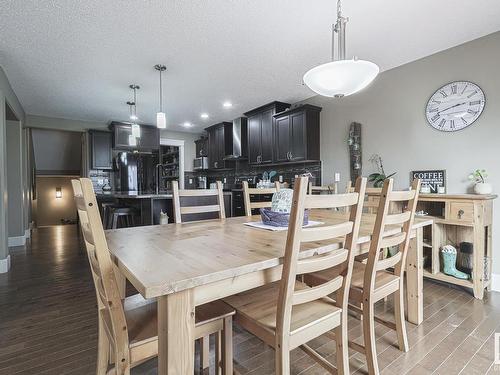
(247, 192)
(199, 208)
(287, 314)
(127, 334)
(374, 280)
(372, 198)
(180, 209)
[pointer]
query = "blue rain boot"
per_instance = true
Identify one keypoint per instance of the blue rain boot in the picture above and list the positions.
(449, 254)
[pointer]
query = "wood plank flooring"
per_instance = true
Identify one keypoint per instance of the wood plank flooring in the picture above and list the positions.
(48, 323)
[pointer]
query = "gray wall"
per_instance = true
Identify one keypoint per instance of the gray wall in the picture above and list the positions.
(392, 113)
(6, 95)
(15, 179)
(49, 210)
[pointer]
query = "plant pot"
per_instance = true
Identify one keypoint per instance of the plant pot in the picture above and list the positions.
(483, 188)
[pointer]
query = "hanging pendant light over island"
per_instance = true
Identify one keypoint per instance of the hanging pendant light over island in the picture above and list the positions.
(161, 118)
(340, 77)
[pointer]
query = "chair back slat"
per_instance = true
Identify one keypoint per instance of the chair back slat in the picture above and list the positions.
(326, 232)
(103, 273)
(180, 209)
(381, 241)
(320, 291)
(346, 232)
(247, 191)
(319, 263)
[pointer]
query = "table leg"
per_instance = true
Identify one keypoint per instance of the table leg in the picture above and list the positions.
(414, 278)
(176, 334)
(121, 281)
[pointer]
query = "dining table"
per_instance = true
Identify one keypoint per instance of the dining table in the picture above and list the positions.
(185, 265)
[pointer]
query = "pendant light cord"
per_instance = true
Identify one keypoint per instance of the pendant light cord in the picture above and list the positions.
(161, 92)
(339, 28)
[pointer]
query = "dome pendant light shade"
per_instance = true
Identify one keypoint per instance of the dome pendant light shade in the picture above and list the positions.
(161, 118)
(340, 77)
(136, 130)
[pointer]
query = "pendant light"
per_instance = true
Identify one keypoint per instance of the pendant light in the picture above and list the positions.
(136, 129)
(161, 119)
(340, 77)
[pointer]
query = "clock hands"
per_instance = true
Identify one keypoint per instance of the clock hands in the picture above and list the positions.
(453, 106)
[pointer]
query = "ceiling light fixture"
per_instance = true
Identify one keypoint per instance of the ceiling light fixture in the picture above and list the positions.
(227, 104)
(340, 77)
(136, 129)
(187, 124)
(161, 118)
(204, 116)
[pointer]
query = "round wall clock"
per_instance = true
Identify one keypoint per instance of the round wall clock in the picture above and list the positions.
(455, 106)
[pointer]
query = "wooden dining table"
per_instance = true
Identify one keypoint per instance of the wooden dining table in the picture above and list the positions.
(186, 265)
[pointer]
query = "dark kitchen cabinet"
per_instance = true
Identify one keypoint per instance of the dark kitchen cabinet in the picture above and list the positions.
(148, 141)
(201, 147)
(296, 134)
(101, 144)
(219, 144)
(261, 132)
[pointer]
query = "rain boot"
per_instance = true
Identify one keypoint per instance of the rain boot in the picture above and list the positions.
(449, 255)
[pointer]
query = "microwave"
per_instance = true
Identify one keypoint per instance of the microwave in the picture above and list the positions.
(200, 163)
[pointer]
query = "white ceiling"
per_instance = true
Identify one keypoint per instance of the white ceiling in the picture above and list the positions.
(75, 59)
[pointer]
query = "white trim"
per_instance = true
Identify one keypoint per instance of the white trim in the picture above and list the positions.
(495, 282)
(27, 233)
(17, 241)
(179, 143)
(5, 264)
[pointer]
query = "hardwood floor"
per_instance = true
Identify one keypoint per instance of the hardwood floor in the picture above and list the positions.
(48, 323)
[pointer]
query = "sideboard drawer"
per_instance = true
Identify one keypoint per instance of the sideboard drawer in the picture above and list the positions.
(461, 212)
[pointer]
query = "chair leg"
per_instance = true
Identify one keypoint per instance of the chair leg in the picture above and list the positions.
(204, 353)
(103, 350)
(399, 317)
(282, 359)
(227, 346)
(115, 221)
(218, 353)
(369, 337)
(341, 341)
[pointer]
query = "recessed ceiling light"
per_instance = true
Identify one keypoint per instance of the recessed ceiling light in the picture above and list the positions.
(187, 124)
(204, 116)
(227, 104)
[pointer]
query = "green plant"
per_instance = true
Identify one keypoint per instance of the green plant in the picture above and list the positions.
(478, 176)
(379, 177)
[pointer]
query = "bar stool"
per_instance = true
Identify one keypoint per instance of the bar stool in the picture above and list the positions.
(125, 213)
(105, 208)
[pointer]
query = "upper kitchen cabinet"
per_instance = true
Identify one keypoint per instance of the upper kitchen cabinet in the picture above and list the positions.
(149, 139)
(201, 147)
(296, 134)
(260, 132)
(220, 141)
(101, 143)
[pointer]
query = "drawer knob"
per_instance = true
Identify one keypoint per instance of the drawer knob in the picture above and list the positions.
(460, 213)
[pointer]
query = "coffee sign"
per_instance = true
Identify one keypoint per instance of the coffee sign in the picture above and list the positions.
(433, 179)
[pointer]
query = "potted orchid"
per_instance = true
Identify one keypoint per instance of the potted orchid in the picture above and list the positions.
(480, 185)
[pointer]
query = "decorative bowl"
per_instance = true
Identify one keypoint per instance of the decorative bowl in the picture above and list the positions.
(279, 219)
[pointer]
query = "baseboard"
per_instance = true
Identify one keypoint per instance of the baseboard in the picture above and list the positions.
(17, 241)
(495, 282)
(5, 264)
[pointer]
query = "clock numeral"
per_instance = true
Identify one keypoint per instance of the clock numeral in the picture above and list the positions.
(435, 118)
(436, 101)
(472, 94)
(475, 102)
(452, 124)
(465, 121)
(442, 122)
(454, 89)
(465, 88)
(443, 93)
(472, 112)
(433, 109)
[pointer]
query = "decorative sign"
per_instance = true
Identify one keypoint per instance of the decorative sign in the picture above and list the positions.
(432, 179)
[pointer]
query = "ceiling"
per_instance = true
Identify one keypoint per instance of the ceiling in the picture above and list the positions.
(75, 59)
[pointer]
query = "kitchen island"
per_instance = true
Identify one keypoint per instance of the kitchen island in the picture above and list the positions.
(149, 205)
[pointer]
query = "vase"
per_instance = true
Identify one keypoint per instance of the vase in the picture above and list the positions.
(483, 188)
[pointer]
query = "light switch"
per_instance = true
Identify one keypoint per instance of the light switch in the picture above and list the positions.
(337, 177)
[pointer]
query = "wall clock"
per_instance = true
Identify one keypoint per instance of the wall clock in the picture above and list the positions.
(455, 106)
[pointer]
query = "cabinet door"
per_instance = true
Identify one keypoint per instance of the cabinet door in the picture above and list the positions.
(282, 138)
(150, 138)
(220, 146)
(254, 138)
(122, 133)
(101, 145)
(267, 136)
(298, 137)
(212, 148)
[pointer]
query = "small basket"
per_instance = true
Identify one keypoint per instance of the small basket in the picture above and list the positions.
(279, 219)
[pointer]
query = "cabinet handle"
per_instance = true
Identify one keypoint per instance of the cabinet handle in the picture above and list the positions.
(460, 213)
(215, 164)
(291, 155)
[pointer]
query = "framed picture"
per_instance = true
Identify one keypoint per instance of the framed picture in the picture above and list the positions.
(433, 179)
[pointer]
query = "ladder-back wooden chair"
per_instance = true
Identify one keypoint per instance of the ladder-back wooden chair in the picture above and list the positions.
(372, 281)
(127, 333)
(287, 314)
(181, 209)
(247, 191)
(372, 198)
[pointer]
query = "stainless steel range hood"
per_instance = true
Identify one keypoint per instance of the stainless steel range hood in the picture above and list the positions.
(240, 140)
